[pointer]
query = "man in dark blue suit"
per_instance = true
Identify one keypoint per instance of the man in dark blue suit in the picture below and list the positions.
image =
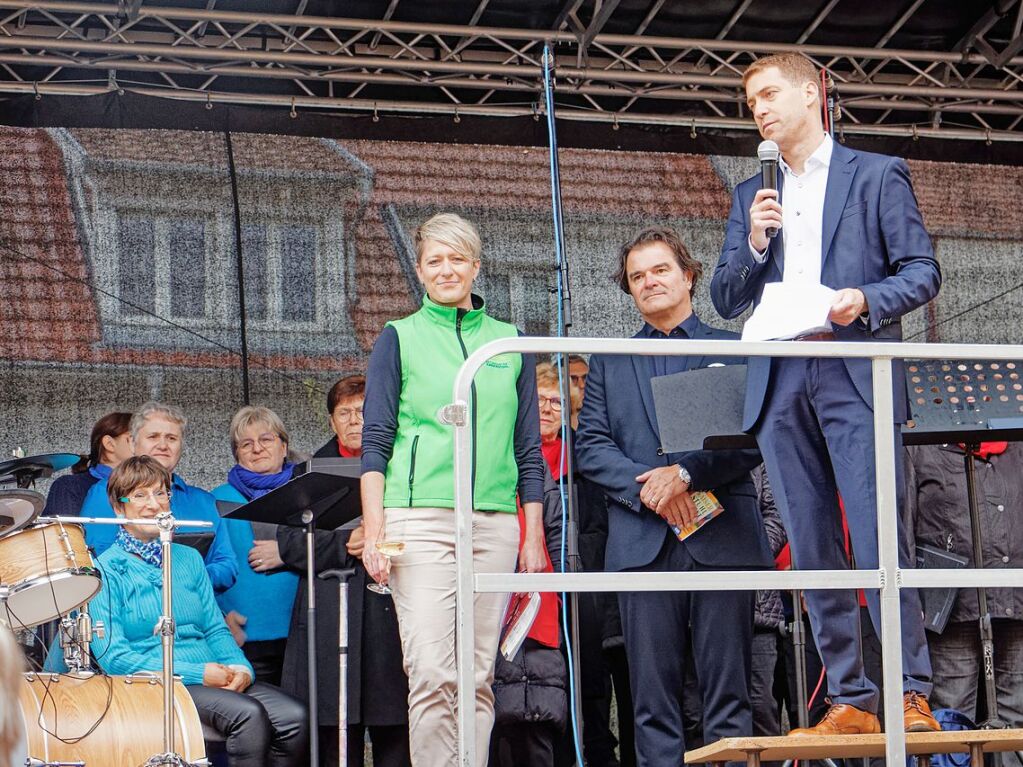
(850, 221)
(648, 491)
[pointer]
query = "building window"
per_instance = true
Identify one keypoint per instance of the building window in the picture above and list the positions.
(281, 279)
(162, 266)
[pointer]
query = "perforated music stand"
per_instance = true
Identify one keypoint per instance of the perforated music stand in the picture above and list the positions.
(319, 498)
(968, 402)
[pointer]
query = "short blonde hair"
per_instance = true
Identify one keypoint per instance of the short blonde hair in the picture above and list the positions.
(451, 230)
(133, 473)
(170, 412)
(794, 67)
(547, 375)
(253, 414)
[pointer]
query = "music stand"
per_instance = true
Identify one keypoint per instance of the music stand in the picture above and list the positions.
(323, 499)
(968, 402)
(711, 418)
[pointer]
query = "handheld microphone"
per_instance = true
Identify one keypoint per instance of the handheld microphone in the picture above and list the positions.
(768, 153)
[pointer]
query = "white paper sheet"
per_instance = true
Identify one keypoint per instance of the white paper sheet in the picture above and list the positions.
(789, 309)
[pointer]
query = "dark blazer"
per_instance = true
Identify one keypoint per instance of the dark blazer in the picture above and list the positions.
(374, 646)
(618, 440)
(873, 239)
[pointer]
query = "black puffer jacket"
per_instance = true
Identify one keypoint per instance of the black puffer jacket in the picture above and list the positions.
(532, 686)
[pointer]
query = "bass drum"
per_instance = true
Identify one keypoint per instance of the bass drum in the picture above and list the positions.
(105, 721)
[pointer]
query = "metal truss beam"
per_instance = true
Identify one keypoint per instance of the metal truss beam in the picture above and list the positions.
(74, 48)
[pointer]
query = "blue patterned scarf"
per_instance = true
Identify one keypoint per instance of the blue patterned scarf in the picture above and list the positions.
(253, 485)
(148, 551)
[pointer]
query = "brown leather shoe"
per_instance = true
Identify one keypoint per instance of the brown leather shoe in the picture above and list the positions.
(918, 714)
(843, 719)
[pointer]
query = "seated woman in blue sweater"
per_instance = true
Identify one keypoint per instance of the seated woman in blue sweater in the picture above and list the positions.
(262, 724)
(258, 606)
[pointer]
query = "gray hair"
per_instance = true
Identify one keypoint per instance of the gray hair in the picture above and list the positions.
(170, 412)
(253, 414)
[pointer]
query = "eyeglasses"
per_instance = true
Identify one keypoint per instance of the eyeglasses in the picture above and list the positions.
(345, 414)
(140, 498)
(266, 442)
(554, 402)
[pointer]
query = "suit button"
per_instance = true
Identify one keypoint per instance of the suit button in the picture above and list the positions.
(660, 451)
(1002, 508)
(1005, 560)
(525, 678)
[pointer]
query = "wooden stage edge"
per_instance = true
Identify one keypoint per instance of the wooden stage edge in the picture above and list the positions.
(780, 749)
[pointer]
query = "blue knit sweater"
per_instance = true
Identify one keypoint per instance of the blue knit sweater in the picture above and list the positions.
(130, 602)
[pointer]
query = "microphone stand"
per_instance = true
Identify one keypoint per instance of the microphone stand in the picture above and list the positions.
(165, 625)
(571, 529)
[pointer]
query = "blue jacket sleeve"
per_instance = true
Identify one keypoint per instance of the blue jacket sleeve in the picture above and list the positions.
(528, 455)
(221, 562)
(599, 458)
(915, 275)
(735, 282)
(99, 537)
(218, 637)
(380, 408)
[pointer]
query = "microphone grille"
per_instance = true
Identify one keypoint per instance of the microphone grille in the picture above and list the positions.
(768, 151)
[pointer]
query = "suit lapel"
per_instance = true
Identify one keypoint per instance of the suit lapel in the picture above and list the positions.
(641, 366)
(840, 178)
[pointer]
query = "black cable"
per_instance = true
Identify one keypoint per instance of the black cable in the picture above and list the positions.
(240, 267)
(6, 249)
(967, 310)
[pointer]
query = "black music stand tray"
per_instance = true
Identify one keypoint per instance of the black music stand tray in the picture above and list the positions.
(701, 409)
(325, 496)
(968, 402)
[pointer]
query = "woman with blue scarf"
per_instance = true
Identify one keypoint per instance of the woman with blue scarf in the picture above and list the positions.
(263, 726)
(109, 444)
(258, 606)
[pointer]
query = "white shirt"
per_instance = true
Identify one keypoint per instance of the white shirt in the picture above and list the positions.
(803, 216)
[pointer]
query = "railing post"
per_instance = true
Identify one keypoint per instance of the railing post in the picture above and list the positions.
(465, 632)
(888, 556)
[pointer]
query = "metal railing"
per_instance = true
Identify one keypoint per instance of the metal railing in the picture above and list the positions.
(888, 578)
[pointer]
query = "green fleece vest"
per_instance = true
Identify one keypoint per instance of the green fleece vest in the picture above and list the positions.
(433, 343)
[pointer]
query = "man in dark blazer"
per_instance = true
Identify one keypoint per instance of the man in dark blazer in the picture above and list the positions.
(619, 449)
(850, 222)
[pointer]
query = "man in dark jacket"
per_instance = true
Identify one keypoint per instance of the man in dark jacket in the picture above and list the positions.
(648, 492)
(377, 685)
(939, 516)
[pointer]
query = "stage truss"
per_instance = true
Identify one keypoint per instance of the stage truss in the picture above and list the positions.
(385, 66)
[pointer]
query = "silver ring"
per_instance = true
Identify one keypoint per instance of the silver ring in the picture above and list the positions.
(259, 562)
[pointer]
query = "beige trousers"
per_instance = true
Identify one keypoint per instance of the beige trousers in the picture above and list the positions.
(423, 581)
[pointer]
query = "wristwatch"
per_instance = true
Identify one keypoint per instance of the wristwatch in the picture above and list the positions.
(684, 475)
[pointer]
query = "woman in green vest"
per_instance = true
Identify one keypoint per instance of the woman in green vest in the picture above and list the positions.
(408, 481)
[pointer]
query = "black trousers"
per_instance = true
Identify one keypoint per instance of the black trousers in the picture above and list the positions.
(518, 745)
(264, 726)
(390, 745)
(267, 659)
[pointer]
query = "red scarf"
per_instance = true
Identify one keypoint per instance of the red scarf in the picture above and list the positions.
(987, 449)
(552, 454)
(345, 452)
(545, 627)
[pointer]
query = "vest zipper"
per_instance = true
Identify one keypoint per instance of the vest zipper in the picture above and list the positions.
(472, 389)
(412, 468)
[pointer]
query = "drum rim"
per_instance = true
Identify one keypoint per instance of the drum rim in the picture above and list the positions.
(42, 580)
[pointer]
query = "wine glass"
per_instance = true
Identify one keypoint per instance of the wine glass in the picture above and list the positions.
(390, 547)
